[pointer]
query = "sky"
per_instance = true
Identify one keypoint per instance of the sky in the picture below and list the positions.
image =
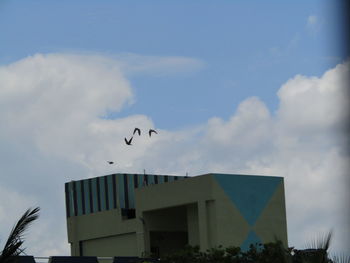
(250, 87)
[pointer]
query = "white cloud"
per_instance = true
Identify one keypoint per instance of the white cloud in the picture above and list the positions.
(52, 106)
(52, 92)
(313, 103)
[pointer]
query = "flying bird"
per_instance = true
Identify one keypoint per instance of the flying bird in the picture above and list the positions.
(110, 162)
(138, 131)
(128, 142)
(150, 132)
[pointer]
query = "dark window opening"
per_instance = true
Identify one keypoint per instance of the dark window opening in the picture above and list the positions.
(128, 213)
(80, 248)
(155, 252)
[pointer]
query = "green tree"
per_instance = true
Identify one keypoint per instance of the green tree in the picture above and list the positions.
(13, 245)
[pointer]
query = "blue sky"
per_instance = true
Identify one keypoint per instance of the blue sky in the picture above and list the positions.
(246, 87)
(248, 48)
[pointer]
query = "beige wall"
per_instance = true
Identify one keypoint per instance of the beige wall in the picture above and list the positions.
(99, 228)
(121, 245)
(192, 225)
(212, 222)
(186, 193)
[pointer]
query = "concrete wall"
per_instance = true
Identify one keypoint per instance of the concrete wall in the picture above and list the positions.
(192, 225)
(190, 193)
(96, 230)
(121, 245)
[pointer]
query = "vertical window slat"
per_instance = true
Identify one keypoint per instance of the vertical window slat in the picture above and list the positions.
(102, 193)
(114, 178)
(136, 181)
(79, 198)
(110, 191)
(75, 199)
(94, 194)
(92, 207)
(87, 197)
(121, 194)
(140, 179)
(98, 194)
(66, 190)
(131, 191)
(106, 193)
(83, 196)
(151, 179)
(126, 191)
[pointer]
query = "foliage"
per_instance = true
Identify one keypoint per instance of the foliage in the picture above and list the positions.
(267, 253)
(273, 252)
(13, 245)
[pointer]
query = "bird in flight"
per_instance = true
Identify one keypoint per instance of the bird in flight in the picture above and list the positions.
(128, 142)
(138, 131)
(150, 132)
(110, 162)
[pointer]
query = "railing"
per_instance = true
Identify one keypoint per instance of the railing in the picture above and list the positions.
(100, 259)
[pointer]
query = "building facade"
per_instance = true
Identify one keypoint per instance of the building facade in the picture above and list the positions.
(140, 214)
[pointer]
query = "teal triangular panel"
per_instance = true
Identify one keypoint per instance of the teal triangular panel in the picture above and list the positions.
(251, 239)
(250, 194)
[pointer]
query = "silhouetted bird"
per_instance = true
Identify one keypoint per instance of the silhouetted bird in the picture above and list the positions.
(150, 132)
(110, 162)
(128, 142)
(137, 130)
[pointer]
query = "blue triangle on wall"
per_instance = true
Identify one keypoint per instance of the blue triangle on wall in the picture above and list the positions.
(250, 194)
(252, 238)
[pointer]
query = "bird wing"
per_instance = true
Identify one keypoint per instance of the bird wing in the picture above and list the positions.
(137, 130)
(128, 142)
(150, 132)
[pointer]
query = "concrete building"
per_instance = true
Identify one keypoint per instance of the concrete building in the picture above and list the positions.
(137, 214)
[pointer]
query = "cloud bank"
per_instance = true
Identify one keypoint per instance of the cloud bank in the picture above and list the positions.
(51, 107)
